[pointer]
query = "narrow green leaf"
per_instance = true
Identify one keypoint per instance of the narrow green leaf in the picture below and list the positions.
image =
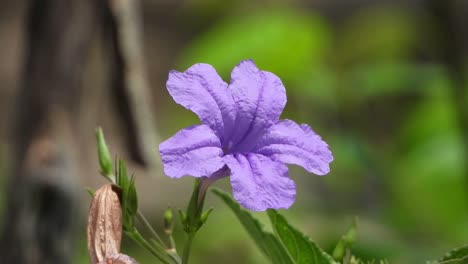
(456, 256)
(132, 198)
(182, 217)
(129, 196)
(301, 248)
(122, 177)
(104, 156)
(267, 242)
(205, 215)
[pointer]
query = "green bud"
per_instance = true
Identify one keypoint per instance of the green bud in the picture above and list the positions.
(339, 251)
(345, 242)
(168, 220)
(350, 236)
(105, 161)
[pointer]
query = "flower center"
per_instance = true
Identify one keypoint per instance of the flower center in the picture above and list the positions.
(227, 149)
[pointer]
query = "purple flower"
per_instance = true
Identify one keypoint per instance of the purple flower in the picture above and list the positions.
(241, 135)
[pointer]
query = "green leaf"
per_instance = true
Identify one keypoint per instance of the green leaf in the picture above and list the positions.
(456, 256)
(105, 161)
(301, 248)
(267, 242)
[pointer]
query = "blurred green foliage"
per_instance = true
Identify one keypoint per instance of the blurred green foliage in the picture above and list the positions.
(370, 86)
(284, 41)
(378, 33)
(387, 115)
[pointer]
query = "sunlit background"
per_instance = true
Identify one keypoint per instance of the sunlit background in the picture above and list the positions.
(380, 81)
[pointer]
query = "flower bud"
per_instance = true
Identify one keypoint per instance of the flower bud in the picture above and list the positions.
(168, 221)
(104, 156)
(104, 231)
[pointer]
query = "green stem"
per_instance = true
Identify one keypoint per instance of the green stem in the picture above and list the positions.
(194, 215)
(347, 258)
(175, 257)
(139, 239)
(172, 244)
(143, 219)
(187, 248)
(171, 252)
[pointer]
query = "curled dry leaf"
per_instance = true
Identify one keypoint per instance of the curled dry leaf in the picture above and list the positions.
(118, 259)
(104, 232)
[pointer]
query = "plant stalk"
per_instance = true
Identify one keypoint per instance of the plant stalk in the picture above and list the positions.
(194, 215)
(139, 239)
(188, 247)
(143, 219)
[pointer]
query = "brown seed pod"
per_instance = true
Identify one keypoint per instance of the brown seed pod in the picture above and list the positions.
(118, 259)
(104, 232)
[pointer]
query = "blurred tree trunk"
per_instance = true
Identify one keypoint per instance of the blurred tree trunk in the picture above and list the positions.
(41, 199)
(122, 35)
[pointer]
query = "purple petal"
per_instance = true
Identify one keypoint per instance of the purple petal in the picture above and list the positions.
(201, 90)
(194, 151)
(260, 98)
(259, 183)
(297, 144)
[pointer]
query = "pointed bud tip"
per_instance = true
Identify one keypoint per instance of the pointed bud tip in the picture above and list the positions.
(105, 161)
(205, 215)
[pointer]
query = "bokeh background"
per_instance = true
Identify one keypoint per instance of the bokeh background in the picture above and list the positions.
(383, 82)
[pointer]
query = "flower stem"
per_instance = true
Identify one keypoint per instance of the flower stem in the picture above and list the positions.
(139, 239)
(172, 243)
(194, 215)
(188, 246)
(158, 241)
(143, 219)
